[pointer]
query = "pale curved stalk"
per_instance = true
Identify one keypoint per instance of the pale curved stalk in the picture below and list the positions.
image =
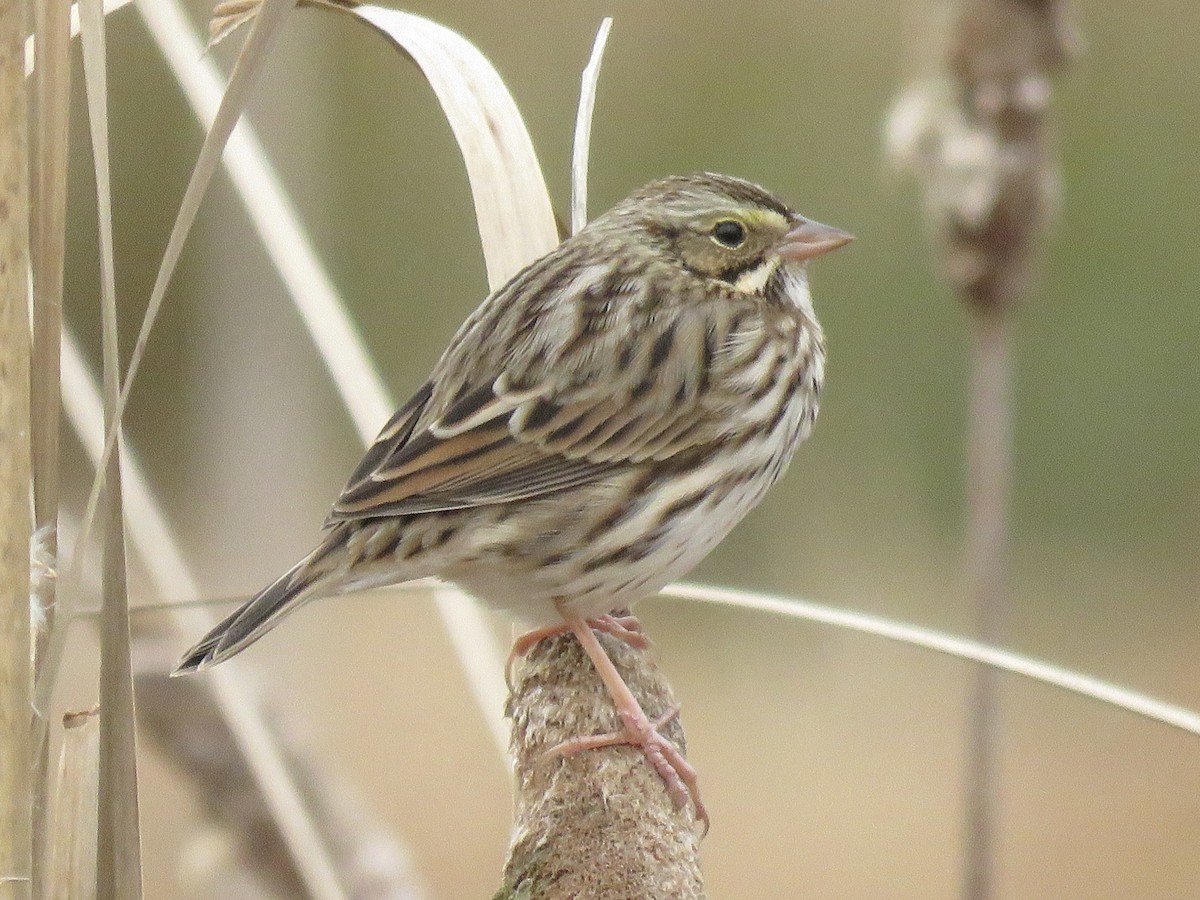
(118, 846)
(902, 633)
(16, 524)
(581, 152)
(958, 647)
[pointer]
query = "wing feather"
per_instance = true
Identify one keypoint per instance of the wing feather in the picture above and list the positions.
(544, 411)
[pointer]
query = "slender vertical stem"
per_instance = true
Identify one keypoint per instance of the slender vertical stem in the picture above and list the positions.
(48, 200)
(989, 475)
(48, 164)
(118, 842)
(15, 518)
(977, 131)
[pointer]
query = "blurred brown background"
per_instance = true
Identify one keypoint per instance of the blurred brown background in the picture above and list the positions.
(831, 761)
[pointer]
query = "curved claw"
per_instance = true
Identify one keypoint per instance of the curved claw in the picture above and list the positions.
(638, 730)
(679, 776)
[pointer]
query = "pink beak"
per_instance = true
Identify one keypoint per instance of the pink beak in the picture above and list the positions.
(809, 239)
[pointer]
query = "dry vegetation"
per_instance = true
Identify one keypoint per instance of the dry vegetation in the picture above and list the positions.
(287, 825)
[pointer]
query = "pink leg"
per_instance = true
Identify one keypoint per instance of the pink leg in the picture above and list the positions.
(638, 731)
(625, 628)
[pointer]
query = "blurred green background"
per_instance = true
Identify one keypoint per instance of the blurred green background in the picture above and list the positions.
(831, 762)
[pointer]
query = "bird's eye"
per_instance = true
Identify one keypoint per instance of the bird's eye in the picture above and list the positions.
(729, 233)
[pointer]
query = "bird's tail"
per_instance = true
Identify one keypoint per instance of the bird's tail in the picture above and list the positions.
(307, 580)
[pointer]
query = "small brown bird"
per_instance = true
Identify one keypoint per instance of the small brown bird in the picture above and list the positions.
(594, 429)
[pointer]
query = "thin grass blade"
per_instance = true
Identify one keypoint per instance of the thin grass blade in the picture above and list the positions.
(581, 152)
(71, 839)
(241, 81)
(949, 644)
(1074, 682)
(118, 845)
(48, 197)
(16, 662)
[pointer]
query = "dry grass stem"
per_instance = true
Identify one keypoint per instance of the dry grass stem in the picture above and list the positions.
(16, 663)
(978, 134)
(70, 867)
(581, 150)
(598, 824)
(118, 841)
(989, 479)
(48, 196)
(998, 658)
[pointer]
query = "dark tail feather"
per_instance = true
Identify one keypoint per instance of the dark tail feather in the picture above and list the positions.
(257, 616)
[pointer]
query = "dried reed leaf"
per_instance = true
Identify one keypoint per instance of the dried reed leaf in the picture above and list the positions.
(154, 542)
(70, 870)
(581, 151)
(48, 199)
(118, 844)
(512, 205)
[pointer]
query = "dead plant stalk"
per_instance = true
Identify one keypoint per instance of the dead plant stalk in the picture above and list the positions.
(15, 516)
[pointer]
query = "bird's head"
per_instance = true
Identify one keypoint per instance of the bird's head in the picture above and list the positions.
(725, 228)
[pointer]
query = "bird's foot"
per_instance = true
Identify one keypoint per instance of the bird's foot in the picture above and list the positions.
(625, 628)
(640, 731)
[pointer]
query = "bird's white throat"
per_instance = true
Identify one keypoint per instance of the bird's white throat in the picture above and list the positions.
(795, 288)
(795, 282)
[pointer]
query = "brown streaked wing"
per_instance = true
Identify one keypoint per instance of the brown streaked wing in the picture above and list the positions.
(483, 465)
(568, 445)
(391, 437)
(483, 442)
